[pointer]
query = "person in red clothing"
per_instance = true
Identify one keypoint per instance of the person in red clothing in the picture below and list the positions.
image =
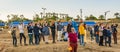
(72, 38)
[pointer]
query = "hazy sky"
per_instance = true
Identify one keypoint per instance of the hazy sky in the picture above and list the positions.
(71, 7)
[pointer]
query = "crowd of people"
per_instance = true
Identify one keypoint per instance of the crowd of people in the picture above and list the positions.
(100, 32)
(103, 33)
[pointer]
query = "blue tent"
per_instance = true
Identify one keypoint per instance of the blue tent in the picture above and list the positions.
(26, 22)
(2, 24)
(64, 23)
(14, 24)
(90, 23)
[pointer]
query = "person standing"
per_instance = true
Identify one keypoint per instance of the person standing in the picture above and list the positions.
(46, 33)
(59, 30)
(75, 25)
(65, 34)
(96, 29)
(105, 34)
(114, 32)
(30, 33)
(108, 38)
(14, 37)
(69, 27)
(53, 31)
(21, 31)
(85, 36)
(36, 30)
(91, 29)
(101, 35)
(72, 39)
(41, 34)
(82, 33)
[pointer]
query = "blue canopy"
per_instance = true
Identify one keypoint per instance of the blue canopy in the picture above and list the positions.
(2, 24)
(64, 23)
(90, 23)
(26, 22)
(16, 23)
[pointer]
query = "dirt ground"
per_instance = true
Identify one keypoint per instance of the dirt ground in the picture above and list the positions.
(6, 45)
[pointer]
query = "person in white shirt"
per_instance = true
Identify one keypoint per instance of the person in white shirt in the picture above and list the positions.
(21, 31)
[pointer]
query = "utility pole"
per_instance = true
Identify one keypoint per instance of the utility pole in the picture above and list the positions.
(106, 15)
(80, 14)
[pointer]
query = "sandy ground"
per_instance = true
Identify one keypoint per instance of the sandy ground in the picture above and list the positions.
(6, 46)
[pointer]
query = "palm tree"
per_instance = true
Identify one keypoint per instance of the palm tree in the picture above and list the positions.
(8, 16)
(36, 17)
(78, 16)
(68, 18)
(22, 16)
(54, 13)
(51, 14)
(116, 14)
(41, 14)
(15, 18)
(46, 15)
(101, 17)
(91, 17)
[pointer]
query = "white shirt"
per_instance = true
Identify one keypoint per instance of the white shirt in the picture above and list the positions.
(21, 28)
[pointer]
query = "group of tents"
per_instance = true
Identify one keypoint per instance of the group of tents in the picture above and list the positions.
(16, 23)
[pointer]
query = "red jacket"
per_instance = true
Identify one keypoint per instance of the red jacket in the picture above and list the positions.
(72, 37)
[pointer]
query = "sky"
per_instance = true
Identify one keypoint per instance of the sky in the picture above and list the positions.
(71, 7)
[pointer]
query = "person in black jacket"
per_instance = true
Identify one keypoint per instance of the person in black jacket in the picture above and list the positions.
(36, 30)
(114, 31)
(105, 34)
(30, 33)
(101, 34)
(14, 37)
(96, 31)
(53, 31)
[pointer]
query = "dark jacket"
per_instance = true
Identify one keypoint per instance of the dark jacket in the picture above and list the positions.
(104, 32)
(45, 30)
(30, 29)
(59, 27)
(109, 33)
(114, 29)
(36, 30)
(53, 28)
(13, 33)
(96, 28)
